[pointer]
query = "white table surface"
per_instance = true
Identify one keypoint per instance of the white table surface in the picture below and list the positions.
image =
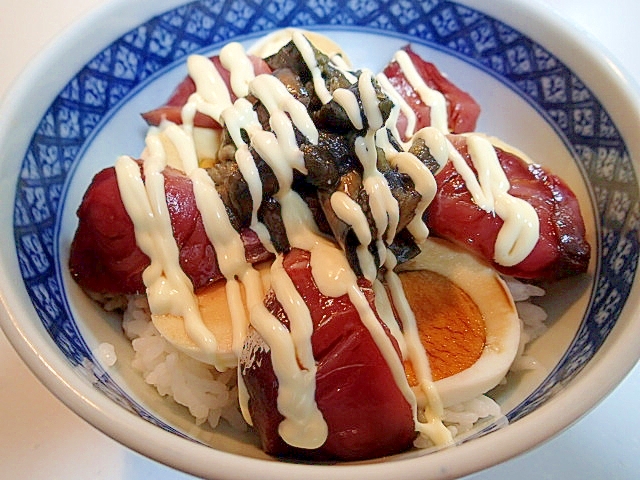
(41, 439)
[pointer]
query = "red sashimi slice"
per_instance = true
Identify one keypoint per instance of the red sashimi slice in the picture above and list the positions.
(462, 109)
(172, 110)
(366, 414)
(104, 256)
(562, 249)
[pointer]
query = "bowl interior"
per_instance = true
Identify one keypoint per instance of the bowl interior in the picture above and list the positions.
(530, 99)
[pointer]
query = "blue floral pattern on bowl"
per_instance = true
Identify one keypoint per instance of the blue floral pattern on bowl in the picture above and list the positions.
(524, 66)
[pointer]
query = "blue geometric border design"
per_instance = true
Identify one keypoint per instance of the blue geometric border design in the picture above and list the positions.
(106, 82)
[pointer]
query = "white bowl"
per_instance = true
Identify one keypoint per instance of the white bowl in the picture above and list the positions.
(542, 88)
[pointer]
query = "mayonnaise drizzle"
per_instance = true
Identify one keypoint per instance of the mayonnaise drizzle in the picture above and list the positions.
(234, 59)
(349, 102)
(229, 252)
(170, 291)
(423, 180)
(384, 207)
(228, 243)
(432, 427)
(211, 96)
(519, 233)
(399, 106)
(385, 212)
(293, 363)
(350, 212)
(292, 359)
(309, 57)
(433, 98)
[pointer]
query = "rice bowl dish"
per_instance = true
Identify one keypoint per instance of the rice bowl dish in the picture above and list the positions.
(516, 401)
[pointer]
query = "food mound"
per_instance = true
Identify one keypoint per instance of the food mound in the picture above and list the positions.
(331, 245)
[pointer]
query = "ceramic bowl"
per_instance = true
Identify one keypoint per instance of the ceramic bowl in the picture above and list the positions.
(541, 87)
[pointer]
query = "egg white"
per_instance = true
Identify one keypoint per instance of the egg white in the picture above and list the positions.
(492, 297)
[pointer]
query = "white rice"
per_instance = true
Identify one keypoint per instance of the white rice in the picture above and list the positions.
(211, 396)
(107, 354)
(532, 318)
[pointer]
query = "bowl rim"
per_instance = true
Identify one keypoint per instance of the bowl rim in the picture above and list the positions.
(618, 354)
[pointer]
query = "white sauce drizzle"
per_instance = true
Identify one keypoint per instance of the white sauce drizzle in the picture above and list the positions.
(399, 106)
(423, 180)
(350, 212)
(349, 102)
(425, 185)
(170, 291)
(338, 62)
(293, 363)
(519, 233)
(433, 427)
(309, 57)
(369, 100)
(234, 59)
(385, 212)
(303, 425)
(384, 206)
(432, 98)
(367, 262)
(230, 254)
(228, 243)
(438, 144)
(211, 96)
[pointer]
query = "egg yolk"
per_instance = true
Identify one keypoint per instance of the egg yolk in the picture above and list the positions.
(450, 325)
